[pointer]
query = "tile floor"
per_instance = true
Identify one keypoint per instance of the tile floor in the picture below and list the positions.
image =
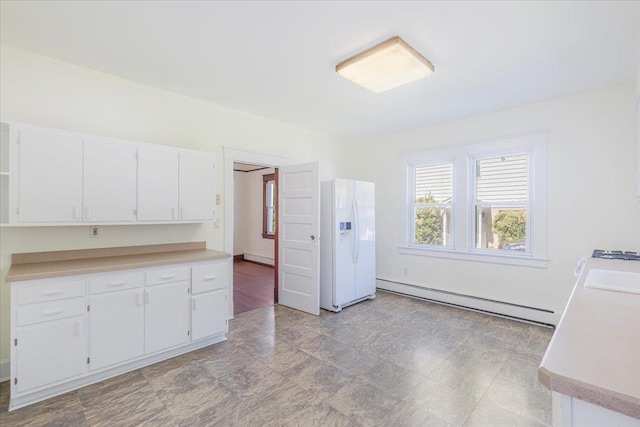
(393, 361)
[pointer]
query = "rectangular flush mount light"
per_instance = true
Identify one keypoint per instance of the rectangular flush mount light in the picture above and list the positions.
(385, 66)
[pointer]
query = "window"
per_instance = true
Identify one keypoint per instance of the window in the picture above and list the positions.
(268, 206)
(431, 204)
(486, 202)
(501, 202)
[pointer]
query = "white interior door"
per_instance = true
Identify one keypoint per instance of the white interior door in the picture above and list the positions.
(298, 246)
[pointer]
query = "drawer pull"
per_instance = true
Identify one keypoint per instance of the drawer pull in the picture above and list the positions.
(115, 284)
(167, 276)
(212, 277)
(52, 292)
(139, 298)
(52, 312)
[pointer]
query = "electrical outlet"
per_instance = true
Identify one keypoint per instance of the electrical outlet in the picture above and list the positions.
(94, 231)
(405, 271)
(218, 199)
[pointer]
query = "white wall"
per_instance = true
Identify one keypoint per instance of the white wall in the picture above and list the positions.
(42, 91)
(592, 203)
(248, 217)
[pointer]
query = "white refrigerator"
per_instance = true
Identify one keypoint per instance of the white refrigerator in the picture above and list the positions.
(347, 243)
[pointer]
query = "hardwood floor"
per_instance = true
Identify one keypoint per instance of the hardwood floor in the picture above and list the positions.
(252, 286)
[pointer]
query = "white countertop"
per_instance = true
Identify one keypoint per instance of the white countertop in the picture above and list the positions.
(594, 354)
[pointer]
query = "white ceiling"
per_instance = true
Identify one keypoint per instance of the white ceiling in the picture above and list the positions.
(277, 59)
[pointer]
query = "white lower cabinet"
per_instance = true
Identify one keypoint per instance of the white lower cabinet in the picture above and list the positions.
(166, 321)
(208, 314)
(49, 352)
(68, 332)
(115, 339)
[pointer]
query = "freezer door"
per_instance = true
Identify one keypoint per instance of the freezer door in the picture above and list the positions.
(344, 245)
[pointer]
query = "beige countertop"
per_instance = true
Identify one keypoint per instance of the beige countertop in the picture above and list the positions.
(594, 354)
(44, 265)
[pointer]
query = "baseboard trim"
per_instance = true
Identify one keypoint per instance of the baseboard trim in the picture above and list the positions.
(5, 370)
(517, 312)
(258, 259)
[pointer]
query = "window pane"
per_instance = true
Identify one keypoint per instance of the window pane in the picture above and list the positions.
(501, 228)
(502, 178)
(433, 226)
(271, 221)
(433, 183)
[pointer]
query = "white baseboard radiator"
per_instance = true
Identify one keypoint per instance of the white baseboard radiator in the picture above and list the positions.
(522, 313)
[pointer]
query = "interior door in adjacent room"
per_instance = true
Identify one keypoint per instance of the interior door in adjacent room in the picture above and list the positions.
(298, 246)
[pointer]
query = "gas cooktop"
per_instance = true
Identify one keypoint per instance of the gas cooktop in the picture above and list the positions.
(622, 255)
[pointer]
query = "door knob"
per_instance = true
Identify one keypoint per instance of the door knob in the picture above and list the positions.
(313, 237)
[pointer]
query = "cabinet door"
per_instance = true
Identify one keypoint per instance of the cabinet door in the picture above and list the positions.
(116, 322)
(166, 316)
(50, 182)
(197, 186)
(109, 191)
(208, 314)
(49, 352)
(157, 184)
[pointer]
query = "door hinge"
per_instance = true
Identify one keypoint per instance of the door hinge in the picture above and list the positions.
(88, 308)
(88, 360)
(15, 381)
(188, 333)
(15, 342)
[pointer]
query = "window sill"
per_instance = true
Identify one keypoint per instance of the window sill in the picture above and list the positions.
(268, 236)
(522, 261)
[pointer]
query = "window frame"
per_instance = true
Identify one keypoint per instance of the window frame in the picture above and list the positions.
(413, 205)
(265, 208)
(464, 198)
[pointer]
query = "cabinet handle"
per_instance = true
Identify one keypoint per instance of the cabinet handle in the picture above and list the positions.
(147, 297)
(52, 312)
(193, 303)
(76, 213)
(212, 277)
(181, 212)
(139, 298)
(167, 276)
(52, 292)
(80, 327)
(115, 284)
(87, 212)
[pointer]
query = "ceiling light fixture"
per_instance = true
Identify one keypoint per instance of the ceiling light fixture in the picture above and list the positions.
(385, 66)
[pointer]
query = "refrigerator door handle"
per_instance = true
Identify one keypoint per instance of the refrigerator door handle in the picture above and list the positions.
(356, 232)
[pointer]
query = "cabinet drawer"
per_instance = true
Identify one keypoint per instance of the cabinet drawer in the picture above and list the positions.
(49, 311)
(167, 275)
(209, 277)
(116, 282)
(49, 291)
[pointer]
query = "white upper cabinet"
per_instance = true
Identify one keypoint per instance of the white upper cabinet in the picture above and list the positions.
(157, 184)
(197, 186)
(109, 191)
(50, 177)
(56, 177)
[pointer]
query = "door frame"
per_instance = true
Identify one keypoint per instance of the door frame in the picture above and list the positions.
(232, 155)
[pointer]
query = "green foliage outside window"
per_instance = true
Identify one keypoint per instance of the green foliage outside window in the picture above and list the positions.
(510, 226)
(429, 223)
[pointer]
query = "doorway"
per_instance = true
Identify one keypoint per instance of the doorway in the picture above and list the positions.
(254, 236)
